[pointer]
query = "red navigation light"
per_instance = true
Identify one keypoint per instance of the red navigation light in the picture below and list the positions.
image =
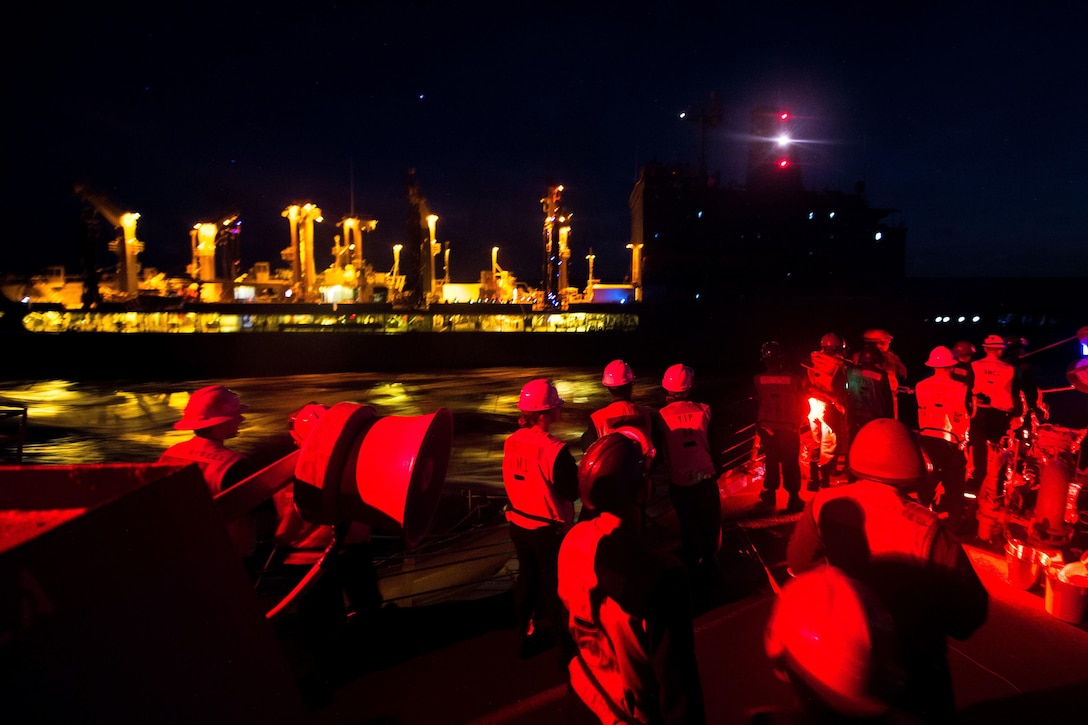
(783, 163)
(784, 116)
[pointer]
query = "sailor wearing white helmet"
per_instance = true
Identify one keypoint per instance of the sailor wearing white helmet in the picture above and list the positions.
(996, 395)
(214, 414)
(619, 379)
(943, 422)
(693, 480)
(541, 481)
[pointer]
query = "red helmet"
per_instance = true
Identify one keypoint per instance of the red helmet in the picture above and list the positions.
(963, 348)
(831, 343)
(678, 379)
(996, 341)
(886, 451)
(210, 406)
(611, 472)
(617, 373)
(538, 394)
(832, 633)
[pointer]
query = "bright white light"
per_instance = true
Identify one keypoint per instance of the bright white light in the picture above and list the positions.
(946, 318)
(878, 236)
(683, 114)
(961, 318)
(831, 215)
(976, 318)
(783, 140)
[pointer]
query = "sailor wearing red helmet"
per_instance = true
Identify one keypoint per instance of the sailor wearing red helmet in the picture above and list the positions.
(541, 481)
(943, 421)
(629, 612)
(693, 479)
(903, 552)
(214, 414)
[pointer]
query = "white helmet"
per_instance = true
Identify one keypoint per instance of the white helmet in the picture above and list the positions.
(678, 379)
(617, 373)
(211, 406)
(941, 357)
(538, 394)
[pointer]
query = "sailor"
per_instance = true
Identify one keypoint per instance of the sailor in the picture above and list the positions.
(964, 351)
(541, 481)
(869, 392)
(997, 399)
(619, 379)
(629, 611)
(827, 386)
(904, 554)
(782, 410)
(214, 414)
(887, 361)
(943, 422)
(1031, 396)
(693, 484)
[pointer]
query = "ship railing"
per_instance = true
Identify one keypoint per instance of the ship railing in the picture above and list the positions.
(13, 429)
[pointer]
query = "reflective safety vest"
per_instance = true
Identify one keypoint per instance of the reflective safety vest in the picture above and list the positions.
(892, 525)
(994, 378)
(825, 375)
(942, 408)
(686, 425)
(528, 470)
(781, 400)
(620, 413)
(215, 460)
(869, 391)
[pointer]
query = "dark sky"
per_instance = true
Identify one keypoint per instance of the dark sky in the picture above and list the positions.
(964, 120)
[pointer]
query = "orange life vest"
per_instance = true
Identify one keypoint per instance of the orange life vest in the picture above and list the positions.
(825, 375)
(892, 526)
(621, 413)
(528, 466)
(215, 460)
(994, 378)
(686, 425)
(942, 408)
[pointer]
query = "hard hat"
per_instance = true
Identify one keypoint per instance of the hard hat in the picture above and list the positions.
(678, 379)
(876, 336)
(617, 373)
(770, 349)
(210, 406)
(831, 341)
(963, 347)
(611, 472)
(886, 451)
(832, 633)
(994, 341)
(869, 356)
(538, 394)
(303, 420)
(941, 357)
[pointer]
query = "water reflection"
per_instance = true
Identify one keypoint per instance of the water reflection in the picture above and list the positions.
(78, 423)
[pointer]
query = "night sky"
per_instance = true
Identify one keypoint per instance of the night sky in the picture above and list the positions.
(965, 121)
